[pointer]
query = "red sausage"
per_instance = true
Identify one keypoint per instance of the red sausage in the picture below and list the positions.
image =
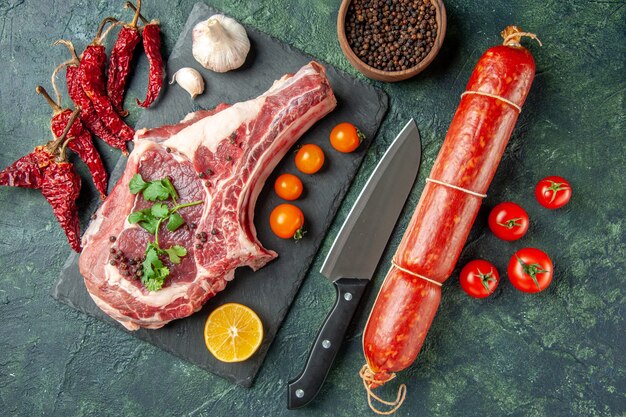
(432, 243)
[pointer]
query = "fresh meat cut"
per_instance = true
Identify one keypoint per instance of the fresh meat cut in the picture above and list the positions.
(221, 157)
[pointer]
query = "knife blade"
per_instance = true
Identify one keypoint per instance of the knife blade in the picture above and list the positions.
(355, 253)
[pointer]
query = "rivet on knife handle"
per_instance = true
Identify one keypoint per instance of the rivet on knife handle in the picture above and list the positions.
(305, 387)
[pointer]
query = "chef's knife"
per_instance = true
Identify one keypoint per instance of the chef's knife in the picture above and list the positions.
(355, 253)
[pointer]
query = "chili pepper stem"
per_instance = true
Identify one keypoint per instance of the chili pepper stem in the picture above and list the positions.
(69, 45)
(62, 154)
(53, 146)
(101, 34)
(133, 23)
(130, 5)
(73, 61)
(55, 88)
(56, 108)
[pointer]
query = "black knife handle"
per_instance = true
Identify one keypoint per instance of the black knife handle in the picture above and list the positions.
(305, 386)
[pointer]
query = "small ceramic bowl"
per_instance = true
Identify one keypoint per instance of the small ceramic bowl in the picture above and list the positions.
(390, 76)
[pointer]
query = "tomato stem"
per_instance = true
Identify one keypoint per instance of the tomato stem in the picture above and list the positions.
(360, 135)
(485, 279)
(511, 223)
(532, 270)
(299, 234)
(555, 187)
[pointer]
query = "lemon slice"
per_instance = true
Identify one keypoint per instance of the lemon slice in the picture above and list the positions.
(233, 332)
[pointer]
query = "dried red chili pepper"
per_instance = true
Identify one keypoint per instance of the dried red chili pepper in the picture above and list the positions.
(26, 172)
(61, 185)
(119, 62)
(81, 142)
(91, 72)
(88, 114)
(152, 46)
(46, 168)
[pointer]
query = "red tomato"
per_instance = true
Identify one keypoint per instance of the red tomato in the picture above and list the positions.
(345, 137)
(287, 221)
(310, 158)
(530, 270)
(288, 186)
(508, 221)
(553, 192)
(479, 278)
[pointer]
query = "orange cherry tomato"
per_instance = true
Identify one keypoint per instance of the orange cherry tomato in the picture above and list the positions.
(288, 186)
(287, 221)
(310, 158)
(345, 137)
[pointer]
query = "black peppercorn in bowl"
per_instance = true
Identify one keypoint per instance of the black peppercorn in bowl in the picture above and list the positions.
(391, 40)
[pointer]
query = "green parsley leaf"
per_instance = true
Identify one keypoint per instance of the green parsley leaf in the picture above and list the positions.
(155, 282)
(145, 219)
(175, 253)
(154, 272)
(152, 284)
(152, 256)
(159, 210)
(136, 217)
(150, 225)
(170, 187)
(175, 221)
(162, 189)
(156, 191)
(137, 184)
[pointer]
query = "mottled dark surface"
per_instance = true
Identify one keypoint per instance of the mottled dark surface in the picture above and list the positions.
(271, 290)
(559, 353)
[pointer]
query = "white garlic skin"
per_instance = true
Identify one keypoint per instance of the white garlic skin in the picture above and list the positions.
(190, 80)
(220, 43)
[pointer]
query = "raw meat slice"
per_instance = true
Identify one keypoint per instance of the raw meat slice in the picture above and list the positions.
(222, 158)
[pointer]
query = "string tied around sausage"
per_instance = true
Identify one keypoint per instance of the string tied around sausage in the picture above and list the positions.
(394, 264)
(499, 98)
(369, 378)
(456, 187)
(512, 36)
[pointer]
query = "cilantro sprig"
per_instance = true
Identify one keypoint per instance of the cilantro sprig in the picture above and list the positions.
(154, 270)
(151, 218)
(153, 190)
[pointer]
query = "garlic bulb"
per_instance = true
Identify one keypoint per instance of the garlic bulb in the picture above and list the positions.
(190, 80)
(220, 43)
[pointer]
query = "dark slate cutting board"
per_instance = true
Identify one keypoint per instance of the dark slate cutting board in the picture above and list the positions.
(271, 290)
